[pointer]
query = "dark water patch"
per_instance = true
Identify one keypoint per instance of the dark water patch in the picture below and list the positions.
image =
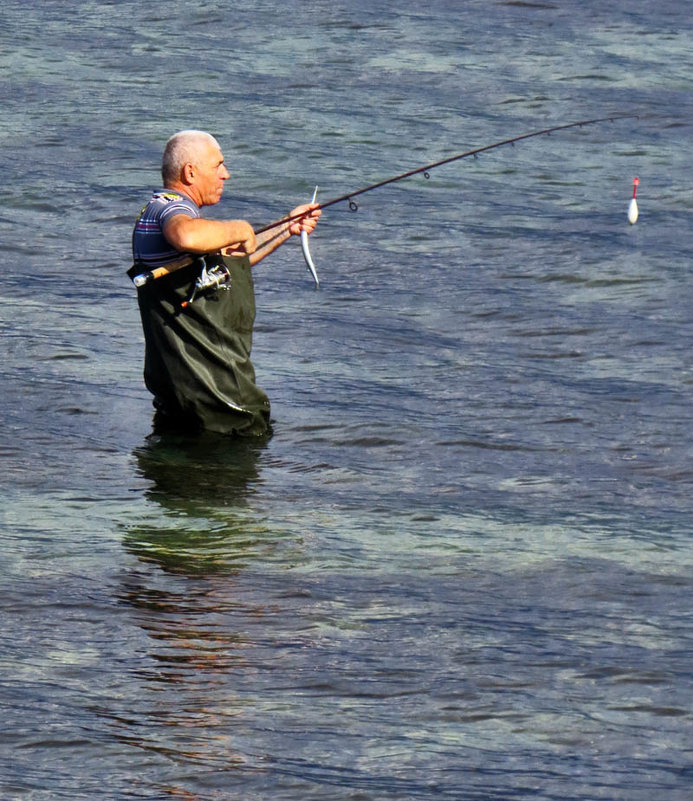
(526, 4)
(554, 355)
(667, 712)
(485, 445)
(369, 442)
(66, 356)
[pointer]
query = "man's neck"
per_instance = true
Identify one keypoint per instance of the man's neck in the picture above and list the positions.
(177, 186)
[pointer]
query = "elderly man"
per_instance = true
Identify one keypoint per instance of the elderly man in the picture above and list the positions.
(198, 308)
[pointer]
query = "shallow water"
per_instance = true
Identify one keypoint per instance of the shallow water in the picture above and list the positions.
(461, 567)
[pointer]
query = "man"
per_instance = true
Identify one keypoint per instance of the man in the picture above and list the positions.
(198, 315)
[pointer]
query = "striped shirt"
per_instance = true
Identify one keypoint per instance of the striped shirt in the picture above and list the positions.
(149, 245)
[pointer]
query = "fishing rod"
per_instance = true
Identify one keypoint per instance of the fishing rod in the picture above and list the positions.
(349, 197)
(159, 272)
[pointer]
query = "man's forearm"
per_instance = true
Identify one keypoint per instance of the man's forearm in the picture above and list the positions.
(269, 241)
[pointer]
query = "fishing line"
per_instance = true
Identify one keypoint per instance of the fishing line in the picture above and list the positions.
(349, 196)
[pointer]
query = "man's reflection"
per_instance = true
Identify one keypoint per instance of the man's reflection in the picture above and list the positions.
(196, 606)
(201, 469)
(202, 485)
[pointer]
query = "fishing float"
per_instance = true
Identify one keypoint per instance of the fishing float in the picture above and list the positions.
(633, 205)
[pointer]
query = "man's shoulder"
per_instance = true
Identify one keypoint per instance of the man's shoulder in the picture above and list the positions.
(168, 196)
(167, 202)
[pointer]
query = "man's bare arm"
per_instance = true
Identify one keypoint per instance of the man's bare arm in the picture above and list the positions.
(197, 235)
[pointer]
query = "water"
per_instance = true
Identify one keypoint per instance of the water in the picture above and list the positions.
(461, 567)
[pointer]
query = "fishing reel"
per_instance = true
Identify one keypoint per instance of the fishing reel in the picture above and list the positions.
(217, 277)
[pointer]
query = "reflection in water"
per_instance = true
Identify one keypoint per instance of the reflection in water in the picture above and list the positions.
(197, 625)
(202, 484)
(206, 469)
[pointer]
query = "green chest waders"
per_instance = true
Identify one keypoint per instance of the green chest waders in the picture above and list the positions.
(197, 359)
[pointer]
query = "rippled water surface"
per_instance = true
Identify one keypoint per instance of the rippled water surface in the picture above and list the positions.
(461, 567)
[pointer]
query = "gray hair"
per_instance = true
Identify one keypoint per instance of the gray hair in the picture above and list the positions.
(181, 149)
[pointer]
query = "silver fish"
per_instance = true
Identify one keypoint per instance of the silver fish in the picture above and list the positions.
(306, 250)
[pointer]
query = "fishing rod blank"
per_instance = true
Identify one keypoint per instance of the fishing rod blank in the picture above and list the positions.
(349, 197)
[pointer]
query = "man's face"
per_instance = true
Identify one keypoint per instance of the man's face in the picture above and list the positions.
(210, 174)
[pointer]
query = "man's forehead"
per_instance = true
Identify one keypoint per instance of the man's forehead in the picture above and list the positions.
(215, 153)
(209, 151)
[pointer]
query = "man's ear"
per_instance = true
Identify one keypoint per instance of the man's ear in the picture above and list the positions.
(188, 173)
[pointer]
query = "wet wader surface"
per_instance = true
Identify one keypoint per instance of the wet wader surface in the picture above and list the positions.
(197, 360)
